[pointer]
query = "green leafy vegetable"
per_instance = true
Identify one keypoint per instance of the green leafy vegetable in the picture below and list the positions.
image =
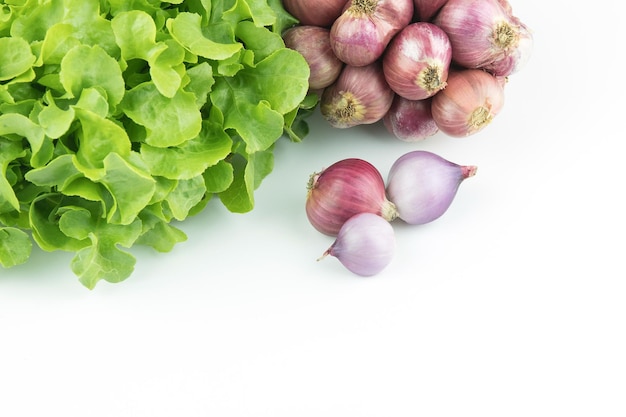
(15, 246)
(118, 119)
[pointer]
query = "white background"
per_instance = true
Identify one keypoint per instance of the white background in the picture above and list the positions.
(511, 304)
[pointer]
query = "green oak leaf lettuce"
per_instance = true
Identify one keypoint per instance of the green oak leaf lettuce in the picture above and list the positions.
(119, 119)
(15, 246)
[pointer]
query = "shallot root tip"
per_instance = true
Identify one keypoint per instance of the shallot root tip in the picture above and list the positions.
(469, 171)
(389, 211)
(324, 255)
(312, 180)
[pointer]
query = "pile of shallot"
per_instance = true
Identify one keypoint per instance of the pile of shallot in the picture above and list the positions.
(351, 201)
(420, 66)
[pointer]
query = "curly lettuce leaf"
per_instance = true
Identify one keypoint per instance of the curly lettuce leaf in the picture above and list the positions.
(16, 58)
(260, 96)
(157, 231)
(186, 29)
(85, 66)
(168, 121)
(103, 258)
(248, 172)
(207, 149)
(15, 247)
(9, 151)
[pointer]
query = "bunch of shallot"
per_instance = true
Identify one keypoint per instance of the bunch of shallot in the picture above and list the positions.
(351, 201)
(420, 66)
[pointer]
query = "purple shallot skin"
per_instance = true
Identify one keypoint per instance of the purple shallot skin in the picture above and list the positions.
(365, 244)
(485, 34)
(361, 33)
(410, 120)
(315, 12)
(347, 187)
(359, 96)
(313, 43)
(422, 185)
(417, 61)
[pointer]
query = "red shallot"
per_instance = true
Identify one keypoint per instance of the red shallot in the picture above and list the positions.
(347, 187)
(360, 96)
(469, 103)
(315, 12)
(313, 43)
(484, 34)
(417, 60)
(365, 244)
(361, 33)
(422, 185)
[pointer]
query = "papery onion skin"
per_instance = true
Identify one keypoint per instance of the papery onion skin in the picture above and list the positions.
(423, 185)
(360, 96)
(469, 103)
(516, 59)
(347, 187)
(506, 6)
(365, 245)
(483, 32)
(417, 61)
(313, 43)
(361, 33)
(410, 120)
(315, 12)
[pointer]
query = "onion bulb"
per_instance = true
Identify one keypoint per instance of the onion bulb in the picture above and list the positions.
(469, 103)
(361, 33)
(347, 187)
(360, 96)
(313, 43)
(484, 34)
(422, 185)
(365, 244)
(417, 60)
(315, 12)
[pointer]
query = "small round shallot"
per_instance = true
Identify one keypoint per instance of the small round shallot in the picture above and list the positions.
(469, 103)
(484, 34)
(361, 33)
(360, 96)
(315, 12)
(313, 43)
(365, 244)
(417, 61)
(423, 185)
(347, 187)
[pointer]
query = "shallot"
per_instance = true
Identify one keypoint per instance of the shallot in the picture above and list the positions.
(365, 245)
(360, 96)
(469, 103)
(361, 33)
(315, 12)
(417, 60)
(347, 187)
(313, 43)
(484, 34)
(422, 185)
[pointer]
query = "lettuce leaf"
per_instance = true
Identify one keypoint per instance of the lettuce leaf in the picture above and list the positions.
(119, 119)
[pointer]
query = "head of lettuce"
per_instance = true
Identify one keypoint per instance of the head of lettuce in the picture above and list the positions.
(118, 118)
